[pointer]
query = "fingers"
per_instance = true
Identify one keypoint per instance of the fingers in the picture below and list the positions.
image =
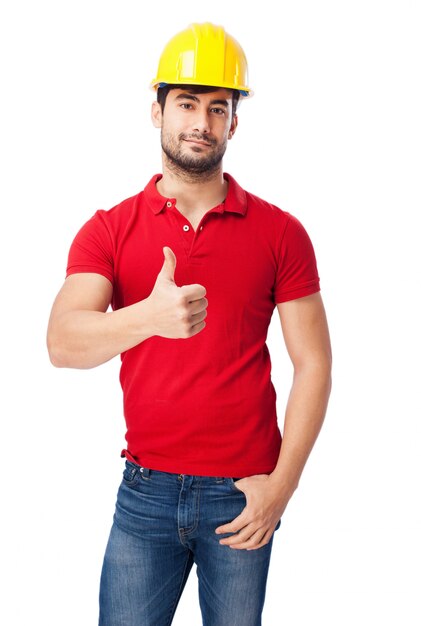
(232, 527)
(248, 538)
(193, 292)
(197, 306)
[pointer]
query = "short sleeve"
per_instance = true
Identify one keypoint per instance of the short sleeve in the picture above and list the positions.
(92, 249)
(296, 274)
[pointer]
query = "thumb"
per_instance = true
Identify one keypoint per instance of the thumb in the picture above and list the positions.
(170, 262)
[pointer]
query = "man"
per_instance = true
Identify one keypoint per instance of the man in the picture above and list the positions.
(193, 267)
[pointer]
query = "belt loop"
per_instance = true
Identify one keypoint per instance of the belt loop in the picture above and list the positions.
(145, 471)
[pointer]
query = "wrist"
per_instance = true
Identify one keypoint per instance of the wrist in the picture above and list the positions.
(282, 484)
(144, 319)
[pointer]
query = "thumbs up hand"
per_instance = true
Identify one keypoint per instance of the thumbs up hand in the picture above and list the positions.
(176, 312)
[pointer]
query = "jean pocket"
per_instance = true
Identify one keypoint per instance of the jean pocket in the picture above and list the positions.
(232, 482)
(131, 474)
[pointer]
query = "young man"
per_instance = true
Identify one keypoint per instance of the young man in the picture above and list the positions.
(193, 267)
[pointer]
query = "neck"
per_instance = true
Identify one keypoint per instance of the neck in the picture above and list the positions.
(193, 193)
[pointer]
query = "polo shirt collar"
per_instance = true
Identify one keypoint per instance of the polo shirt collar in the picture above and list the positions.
(235, 202)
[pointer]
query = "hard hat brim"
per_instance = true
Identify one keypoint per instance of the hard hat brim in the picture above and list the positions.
(245, 92)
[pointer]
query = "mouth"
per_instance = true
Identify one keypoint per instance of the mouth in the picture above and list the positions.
(198, 142)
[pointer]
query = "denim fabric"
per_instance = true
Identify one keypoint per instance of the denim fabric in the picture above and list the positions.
(163, 523)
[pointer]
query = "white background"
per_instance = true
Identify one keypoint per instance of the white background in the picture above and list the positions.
(333, 136)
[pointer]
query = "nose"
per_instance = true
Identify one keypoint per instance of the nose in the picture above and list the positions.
(201, 122)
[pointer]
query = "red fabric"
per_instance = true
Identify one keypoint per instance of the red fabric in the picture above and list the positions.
(204, 405)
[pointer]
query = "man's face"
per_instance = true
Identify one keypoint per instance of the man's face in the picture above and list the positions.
(195, 128)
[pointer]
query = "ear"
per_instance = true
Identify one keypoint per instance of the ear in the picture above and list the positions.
(156, 114)
(233, 127)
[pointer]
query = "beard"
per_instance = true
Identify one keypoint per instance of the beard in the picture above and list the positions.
(197, 165)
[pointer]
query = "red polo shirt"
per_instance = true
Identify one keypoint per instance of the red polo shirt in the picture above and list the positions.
(204, 405)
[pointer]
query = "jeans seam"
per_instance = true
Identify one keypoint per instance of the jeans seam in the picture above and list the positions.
(180, 588)
(196, 520)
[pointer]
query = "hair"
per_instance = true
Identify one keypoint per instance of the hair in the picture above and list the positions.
(162, 93)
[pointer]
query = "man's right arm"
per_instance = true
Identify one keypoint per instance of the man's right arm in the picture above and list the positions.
(82, 333)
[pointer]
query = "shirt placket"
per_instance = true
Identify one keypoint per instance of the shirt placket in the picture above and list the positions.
(188, 236)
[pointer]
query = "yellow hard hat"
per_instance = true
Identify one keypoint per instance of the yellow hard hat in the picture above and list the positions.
(203, 54)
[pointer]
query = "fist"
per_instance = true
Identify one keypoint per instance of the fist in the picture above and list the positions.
(176, 312)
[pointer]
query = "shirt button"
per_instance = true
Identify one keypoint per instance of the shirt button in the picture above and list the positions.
(185, 227)
(169, 204)
(201, 228)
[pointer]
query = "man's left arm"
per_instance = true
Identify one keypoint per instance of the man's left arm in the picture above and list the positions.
(306, 336)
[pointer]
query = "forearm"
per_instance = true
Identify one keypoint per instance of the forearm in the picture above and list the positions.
(305, 412)
(84, 339)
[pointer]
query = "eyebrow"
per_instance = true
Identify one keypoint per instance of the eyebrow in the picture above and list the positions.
(189, 96)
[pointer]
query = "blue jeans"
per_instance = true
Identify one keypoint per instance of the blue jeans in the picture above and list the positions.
(163, 523)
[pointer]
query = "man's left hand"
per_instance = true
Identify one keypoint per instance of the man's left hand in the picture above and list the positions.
(256, 523)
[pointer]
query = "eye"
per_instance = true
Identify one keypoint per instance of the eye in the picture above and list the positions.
(185, 105)
(218, 110)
